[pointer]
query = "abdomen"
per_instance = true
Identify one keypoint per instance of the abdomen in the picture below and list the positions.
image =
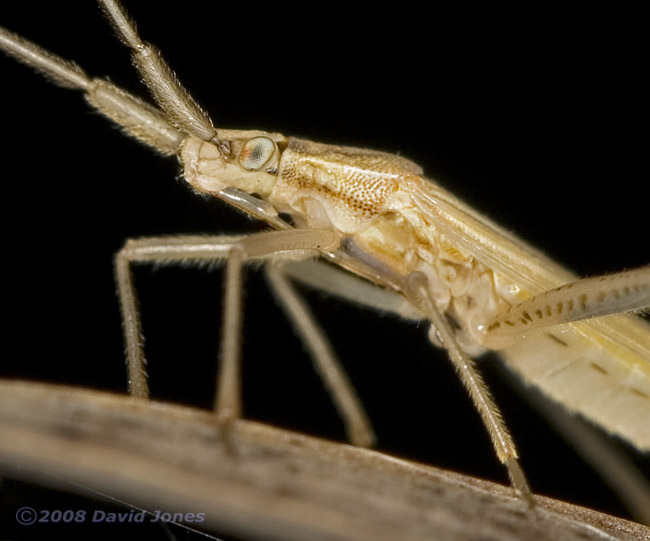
(599, 368)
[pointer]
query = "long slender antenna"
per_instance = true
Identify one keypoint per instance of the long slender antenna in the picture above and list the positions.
(171, 96)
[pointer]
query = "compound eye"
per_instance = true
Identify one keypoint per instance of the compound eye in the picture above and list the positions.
(256, 153)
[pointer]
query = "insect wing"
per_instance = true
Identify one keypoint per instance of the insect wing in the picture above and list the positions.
(599, 367)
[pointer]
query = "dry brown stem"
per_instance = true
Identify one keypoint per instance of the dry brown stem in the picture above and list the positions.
(274, 484)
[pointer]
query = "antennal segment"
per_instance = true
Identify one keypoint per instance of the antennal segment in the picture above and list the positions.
(137, 118)
(175, 101)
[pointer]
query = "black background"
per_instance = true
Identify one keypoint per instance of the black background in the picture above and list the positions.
(538, 119)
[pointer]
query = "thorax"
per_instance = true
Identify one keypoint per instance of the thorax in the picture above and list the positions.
(364, 196)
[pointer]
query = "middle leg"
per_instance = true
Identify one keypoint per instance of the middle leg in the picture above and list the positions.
(416, 290)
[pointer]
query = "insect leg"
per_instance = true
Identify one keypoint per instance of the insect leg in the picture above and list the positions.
(290, 244)
(293, 244)
(586, 298)
(416, 290)
(358, 427)
(161, 250)
(344, 285)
